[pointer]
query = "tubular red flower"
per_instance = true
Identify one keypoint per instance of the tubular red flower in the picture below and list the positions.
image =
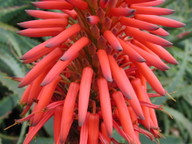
(140, 35)
(104, 62)
(75, 48)
(57, 122)
(151, 59)
(63, 36)
(105, 103)
(124, 115)
(138, 24)
(151, 78)
(152, 10)
(44, 23)
(112, 40)
(43, 100)
(160, 20)
(46, 14)
(41, 32)
(133, 55)
(84, 94)
(93, 128)
(84, 131)
(121, 11)
(52, 57)
(68, 108)
(53, 5)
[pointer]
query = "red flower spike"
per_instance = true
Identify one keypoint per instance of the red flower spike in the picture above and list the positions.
(112, 39)
(124, 115)
(54, 105)
(57, 122)
(151, 78)
(152, 10)
(24, 119)
(120, 41)
(121, 11)
(131, 22)
(151, 3)
(105, 103)
(136, 83)
(44, 23)
(37, 55)
(104, 63)
(133, 116)
(35, 88)
(63, 36)
(71, 13)
(144, 36)
(44, 99)
(75, 48)
(133, 55)
(84, 131)
(33, 130)
(84, 93)
(160, 21)
(53, 56)
(24, 98)
(41, 32)
(55, 71)
(46, 14)
(161, 52)
(118, 78)
(134, 102)
(153, 118)
(150, 59)
(160, 31)
(93, 129)
(53, 5)
(68, 109)
(36, 51)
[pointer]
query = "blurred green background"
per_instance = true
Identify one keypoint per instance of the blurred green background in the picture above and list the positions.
(177, 80)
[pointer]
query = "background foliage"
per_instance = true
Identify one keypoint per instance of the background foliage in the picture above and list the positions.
(177, 80)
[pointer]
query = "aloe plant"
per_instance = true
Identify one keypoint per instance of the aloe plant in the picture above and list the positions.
(177, 80)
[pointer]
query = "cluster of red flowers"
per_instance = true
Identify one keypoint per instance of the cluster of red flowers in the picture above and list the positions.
(91, 74)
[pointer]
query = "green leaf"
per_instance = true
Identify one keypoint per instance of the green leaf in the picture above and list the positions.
(12, 41)
(7, 104)
(8, 27)
(166, 140)
(10, 84)
(8, 13)
(11, 62)
(180, 118)
(49, 127)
